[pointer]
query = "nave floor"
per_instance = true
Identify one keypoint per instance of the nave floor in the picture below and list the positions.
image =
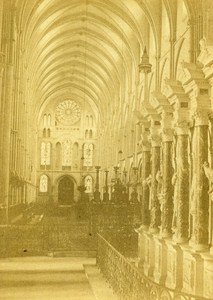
(50, 278)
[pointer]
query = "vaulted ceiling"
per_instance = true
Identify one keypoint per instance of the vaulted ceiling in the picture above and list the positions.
(85, 49)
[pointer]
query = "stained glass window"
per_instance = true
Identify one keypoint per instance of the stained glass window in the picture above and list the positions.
(43, 187)
(66, 150)
(91, 121)
(45, 120)
(68, 112)
(48, 150)
(49, 120)
(45, 153)
(88, 155)
(75, 160)
(88, 182)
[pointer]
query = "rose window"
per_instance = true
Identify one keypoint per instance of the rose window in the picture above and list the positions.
(68, 112)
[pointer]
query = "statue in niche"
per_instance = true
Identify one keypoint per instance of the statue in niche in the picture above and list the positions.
(160, 194)
(209, 174)
(175, 201)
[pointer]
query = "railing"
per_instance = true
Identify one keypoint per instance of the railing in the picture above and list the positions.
(128, 282)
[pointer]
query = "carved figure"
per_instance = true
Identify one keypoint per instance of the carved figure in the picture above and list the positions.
(159, 179)
(174, 218)
(203, 46)
(160, 193)
(148, 181)
(209, 174)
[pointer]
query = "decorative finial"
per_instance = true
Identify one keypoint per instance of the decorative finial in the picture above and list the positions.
(145, 66)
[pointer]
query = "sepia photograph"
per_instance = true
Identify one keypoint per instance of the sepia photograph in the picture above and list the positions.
(106, 149)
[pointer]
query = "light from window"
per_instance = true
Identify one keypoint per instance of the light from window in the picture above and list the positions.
(49, 120)
(88, 184)
(88, 155)
(66, 150)
(43, 187)
(45, 153)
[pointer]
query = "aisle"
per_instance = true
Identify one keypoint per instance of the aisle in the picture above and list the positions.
(45, 278)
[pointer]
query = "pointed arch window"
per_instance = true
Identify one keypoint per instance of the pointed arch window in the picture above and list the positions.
(88, 155)
(87, 121)
(75, 155)
(91, 121)
(43, 185)
(58, 162)
(49, 121)
(45, 121)
(48, 150)
(66, 153)
(45, 153)
(86, 134)
(44, 132)
(88, 182)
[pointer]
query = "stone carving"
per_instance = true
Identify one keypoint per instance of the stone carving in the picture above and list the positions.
(147, 182)
(174, 218)
(209, 174)
(203, 46)
(160, 193)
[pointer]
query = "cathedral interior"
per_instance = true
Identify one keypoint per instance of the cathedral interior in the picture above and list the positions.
(106, 149)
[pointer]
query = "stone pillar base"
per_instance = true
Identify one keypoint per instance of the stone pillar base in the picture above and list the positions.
(142, 231)
(174, 265)
(192, 272)
(149, 258)
(160, 260)
(198, 247)
(208, 275)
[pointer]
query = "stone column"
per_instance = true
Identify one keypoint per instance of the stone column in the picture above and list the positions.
(1, 120)
(146, 171)
(97, 192)
(7, 93)
(167, 197)
(5, 173)
(164, 176)
(180, 99)
(106, 192)
(200, 184)
(155, 168)
(181, 186)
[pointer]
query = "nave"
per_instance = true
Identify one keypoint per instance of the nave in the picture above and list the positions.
(106, 140)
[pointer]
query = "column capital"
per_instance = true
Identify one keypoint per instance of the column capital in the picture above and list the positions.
(165, 110)
(145, 143)
(201, 117)
(197, 88)
(180, 101)
(182, 127)
(160, 102)
(155, 130)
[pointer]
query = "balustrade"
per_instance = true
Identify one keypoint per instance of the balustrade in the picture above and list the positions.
(128, 282)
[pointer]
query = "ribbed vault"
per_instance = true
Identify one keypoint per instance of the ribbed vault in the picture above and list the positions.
(85, 48)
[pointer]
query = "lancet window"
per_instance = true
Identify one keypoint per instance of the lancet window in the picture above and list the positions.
(88, 155)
